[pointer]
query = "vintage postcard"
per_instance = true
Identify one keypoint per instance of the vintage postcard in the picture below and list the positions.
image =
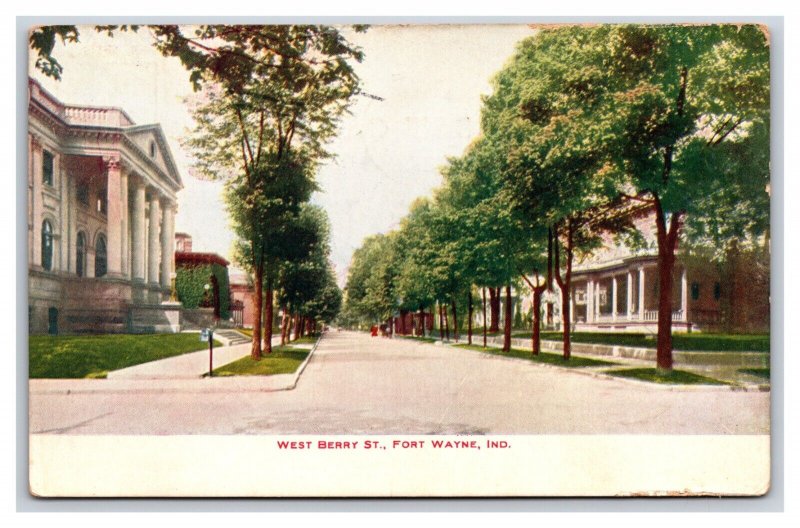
(399, 261)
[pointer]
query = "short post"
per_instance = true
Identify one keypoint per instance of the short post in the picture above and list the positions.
(210, 353)
(207, 334)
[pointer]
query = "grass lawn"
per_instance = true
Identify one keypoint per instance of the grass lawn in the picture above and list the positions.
(93, 356)
(305, 340)
(419, 338)
(283, 360)
(760, 372)
(542, 357)
(694, 341)
(676, 377)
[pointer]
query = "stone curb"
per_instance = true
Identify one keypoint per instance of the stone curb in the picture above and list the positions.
(204, 385)
(583, 371)
(302, 366)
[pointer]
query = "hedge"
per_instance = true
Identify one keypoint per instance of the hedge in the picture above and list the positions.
(190, 284)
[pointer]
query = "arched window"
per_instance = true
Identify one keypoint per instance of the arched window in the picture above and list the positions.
(80, 254)
(100, 262)
(47, 245)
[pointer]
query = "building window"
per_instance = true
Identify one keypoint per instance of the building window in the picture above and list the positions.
(100, 257)
(101, 204)
(152, 149)
(717, 291)
(80, 254)
(47, 245)
(695, 291)
(82, 194)
(47, 168)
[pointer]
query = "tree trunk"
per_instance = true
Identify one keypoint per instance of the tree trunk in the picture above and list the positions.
(441, 324)
(537, 316)
(667, 243)
(446, 322)
(421, 331)
(469, 320)
(507, 321)
(494, 306)
(268, 319)
(564, 283)
(284, 326)
(484, 317)
(455, 320)
(549, 276)
(255, 350)
(296, 327)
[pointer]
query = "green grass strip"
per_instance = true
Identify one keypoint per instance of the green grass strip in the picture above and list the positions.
(282, 360)
(674, 377)
(542, 357)
(699, 342)
(419, 338)
(94, 356)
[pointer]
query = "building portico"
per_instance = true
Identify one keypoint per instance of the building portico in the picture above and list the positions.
(102, 199)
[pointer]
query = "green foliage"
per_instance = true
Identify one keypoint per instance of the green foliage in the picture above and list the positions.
(190, 284)
(94, 356)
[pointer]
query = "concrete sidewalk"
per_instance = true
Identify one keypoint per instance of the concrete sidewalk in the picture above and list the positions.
(186, 366)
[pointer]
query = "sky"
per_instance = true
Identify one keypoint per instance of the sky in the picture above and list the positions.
(388, 152)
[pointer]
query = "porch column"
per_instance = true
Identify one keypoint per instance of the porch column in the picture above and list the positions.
(153, 248)
(114, 216)
(684, 296)
(629, 312)
(138, 231)
(614, 298)
(571, 309)
(589, 301)
(167, 242)
(641, 293)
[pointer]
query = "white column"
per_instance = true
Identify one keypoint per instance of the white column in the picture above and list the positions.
(36, 199)
(114, 216)
(641, 293)
(167, 243)
(571, 309)
(684, 296)
(629, 281)
(589, 301)
(66, 251)
(138, 231)
(124, 240)
(614, 298)
(153, 246)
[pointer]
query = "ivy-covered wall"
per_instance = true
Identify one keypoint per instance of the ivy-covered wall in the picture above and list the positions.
(190, 284)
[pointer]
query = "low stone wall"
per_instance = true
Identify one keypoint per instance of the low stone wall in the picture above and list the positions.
(741, 359)
(156, 318)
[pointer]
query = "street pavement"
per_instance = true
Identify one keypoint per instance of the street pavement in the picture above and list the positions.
(357, 384)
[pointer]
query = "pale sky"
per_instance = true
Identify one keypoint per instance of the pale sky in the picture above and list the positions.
(388, 152)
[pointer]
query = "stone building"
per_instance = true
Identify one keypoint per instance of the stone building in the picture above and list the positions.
(101, 209)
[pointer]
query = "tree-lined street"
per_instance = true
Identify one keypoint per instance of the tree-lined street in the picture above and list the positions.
(356, 384)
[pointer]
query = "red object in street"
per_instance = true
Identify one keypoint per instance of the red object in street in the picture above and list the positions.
(374, 331)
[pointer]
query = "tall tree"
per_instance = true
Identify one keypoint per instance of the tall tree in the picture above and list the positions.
(273, 98)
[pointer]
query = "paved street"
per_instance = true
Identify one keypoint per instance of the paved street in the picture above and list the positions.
(358, 384)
